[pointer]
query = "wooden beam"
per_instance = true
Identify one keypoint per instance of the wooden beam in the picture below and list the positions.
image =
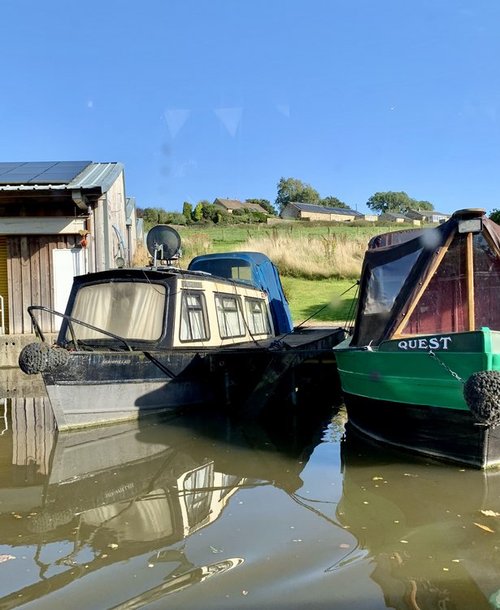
(470, 281)
(42, 225)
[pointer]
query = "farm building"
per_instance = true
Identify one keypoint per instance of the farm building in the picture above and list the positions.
(230, 205)
(309, 211)
(59, 219)
(428, 216)
(398, 218)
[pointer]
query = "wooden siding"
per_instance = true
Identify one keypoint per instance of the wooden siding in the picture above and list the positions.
(33, 428)
(30, 277)
(4, 291)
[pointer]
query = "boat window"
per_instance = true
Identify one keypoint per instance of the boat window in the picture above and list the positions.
(258, 322)
(193, 317)
(198, 494)
(443, 306)
(235, 269)
(132, 310)
(229, 316)
(486, 284)
(386, 281)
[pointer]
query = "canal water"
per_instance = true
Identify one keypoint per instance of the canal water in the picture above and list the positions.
(202, 510)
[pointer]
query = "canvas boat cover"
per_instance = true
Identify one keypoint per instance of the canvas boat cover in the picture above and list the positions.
(256, 269)
(398, 264)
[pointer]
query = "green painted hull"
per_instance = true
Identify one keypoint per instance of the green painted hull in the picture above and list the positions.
(409, 393)
(419, 376)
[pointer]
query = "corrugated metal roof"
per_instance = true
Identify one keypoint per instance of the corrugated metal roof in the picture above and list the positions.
(321, 209)
(94, 175)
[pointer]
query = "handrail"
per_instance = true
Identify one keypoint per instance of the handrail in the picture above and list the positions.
(70, 320)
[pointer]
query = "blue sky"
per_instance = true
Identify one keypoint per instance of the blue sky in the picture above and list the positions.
(221, 98)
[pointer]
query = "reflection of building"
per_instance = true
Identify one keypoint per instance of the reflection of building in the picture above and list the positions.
(59, 219)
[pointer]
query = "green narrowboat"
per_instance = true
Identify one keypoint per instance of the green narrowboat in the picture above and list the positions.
(421, 369)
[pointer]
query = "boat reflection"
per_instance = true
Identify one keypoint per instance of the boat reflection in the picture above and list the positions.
(134, 491)
(431, 530)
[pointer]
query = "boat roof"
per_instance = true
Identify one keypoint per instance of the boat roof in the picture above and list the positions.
(159, 273)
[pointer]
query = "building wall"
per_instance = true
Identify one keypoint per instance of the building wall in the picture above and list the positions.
(30, 275)
(4, 291)
(326, 217)
(103, 243)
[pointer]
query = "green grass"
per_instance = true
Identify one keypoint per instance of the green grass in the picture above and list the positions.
(227, 237)
(320, 300)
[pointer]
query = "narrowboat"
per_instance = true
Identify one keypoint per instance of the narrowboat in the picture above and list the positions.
(421, 370)
(142, 340)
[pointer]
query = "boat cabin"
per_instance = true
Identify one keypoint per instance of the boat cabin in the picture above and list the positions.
(430, 281)
(166, 308)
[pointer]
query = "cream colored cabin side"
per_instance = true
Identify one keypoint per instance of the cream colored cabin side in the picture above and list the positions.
(213, 314)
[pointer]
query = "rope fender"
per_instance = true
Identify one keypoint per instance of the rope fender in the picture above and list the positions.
(39, 357)
(482, 395)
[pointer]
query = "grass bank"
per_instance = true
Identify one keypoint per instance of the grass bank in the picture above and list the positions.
(320, 300)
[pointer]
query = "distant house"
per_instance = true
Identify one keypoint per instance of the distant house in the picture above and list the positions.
(428, 216)
(230, 205)
(59, 219)
(310, 211)
(398, 218)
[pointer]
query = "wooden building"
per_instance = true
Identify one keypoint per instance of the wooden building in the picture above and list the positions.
(58, 220)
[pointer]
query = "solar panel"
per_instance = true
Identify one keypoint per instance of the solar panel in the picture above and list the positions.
(45, 172)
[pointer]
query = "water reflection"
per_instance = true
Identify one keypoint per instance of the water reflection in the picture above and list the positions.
(431, 530)
(78, 503)
(206, 511)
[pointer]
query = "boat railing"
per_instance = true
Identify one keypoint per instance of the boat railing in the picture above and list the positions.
(70, 320)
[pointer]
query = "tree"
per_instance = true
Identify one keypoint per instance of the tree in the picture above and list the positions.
(187, 211)
(424, 206)
(333, 202)
(291, 189)
(265, 204)
(392, 201)
(495, 216)
(151, 217)
(198, 212)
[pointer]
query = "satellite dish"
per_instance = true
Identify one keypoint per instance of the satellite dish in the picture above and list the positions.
(163, 243)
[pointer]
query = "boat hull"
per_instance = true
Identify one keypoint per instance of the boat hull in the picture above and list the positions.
(452, 435)
(414, 398)
(101, 387)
